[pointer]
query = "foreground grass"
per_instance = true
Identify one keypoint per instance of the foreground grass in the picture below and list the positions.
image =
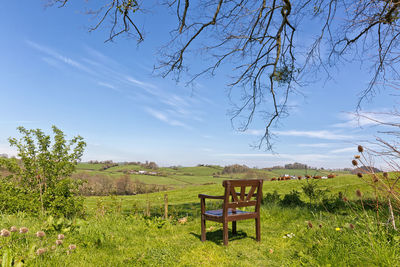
(115, 233)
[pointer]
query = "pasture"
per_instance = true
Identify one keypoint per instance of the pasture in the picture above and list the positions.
(117, 232)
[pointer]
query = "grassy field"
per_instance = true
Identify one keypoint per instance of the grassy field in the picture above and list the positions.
(115, 232)
(186, 176)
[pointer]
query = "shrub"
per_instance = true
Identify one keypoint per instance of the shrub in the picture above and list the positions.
(271, 198)
(292, 199)
(41, 174)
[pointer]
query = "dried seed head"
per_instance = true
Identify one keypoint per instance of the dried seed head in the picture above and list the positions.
(23, 230)
(360, 149)
(357, 156)
(40, 251)
(309, 224)
(13, 229)
(351, 226)
(385, 174)
(359, 175)
(60, 236)
(59, 242)
(354, 162)
(72, 247)
(53, 247)
(4, 233)
(358, 193)
(40, 234)
(320, 225)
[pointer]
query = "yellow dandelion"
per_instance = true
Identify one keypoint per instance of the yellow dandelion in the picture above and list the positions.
(337, 229)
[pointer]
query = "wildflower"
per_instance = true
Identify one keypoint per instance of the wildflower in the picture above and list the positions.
(320, 225)
(60, 236)
(351, 226)
(345, 199)
(13, 229)
(53, 247)
(354, 162)
(40, 234)
(5, 233)
(337, 229)
(72, 247)
(358, 193)
(182, 220)
(309, 224)
(357, 156)
(359, 175)
(271, 251)
(23, 230)
(59, 242)
(360, 149)
(40, 251)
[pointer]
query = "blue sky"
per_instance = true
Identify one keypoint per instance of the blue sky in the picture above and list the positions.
(53, 72)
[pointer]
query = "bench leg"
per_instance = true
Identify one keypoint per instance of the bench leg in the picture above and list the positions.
(234, 228)
(225, 233)
(258, 230)
(203, 229)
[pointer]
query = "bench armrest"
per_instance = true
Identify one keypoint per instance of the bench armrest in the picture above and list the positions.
(211, 197)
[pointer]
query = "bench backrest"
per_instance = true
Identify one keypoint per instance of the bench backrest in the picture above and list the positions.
(242, 193)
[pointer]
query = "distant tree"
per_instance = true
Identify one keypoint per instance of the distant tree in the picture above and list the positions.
(296, 165)
(236, 168)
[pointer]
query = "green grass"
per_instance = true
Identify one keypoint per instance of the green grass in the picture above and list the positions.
(116, 233)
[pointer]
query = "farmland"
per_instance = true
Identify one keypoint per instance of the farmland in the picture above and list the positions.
(176, 177)
(131, 230)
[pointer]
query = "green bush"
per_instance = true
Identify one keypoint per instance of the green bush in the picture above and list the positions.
(39, 180)
(292, 199)
(15, 199)
(271, 198)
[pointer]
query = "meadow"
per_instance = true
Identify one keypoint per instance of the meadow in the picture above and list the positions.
(118, 231)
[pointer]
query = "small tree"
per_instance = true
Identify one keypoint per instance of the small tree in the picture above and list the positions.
(44, 168)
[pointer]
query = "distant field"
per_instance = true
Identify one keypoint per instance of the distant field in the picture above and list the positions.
(186, 176)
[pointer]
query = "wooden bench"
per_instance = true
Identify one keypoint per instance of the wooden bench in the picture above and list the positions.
(233, 200)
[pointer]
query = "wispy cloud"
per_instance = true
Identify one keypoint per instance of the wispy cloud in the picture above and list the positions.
(344, 150)
(254, 132)
(366, 118)
(327, 135)
(55, 55)
(298, 157)
(161, 103)
(110, 86)
(316, 145)
(162, 117)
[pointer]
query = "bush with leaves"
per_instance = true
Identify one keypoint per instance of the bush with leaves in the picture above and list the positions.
(292, 199)
(40, 176)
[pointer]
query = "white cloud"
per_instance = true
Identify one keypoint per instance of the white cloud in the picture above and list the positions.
(328, 135)
(162, 117)
(366, 118)
(59, 57)
(344, 150)
(254, 132)
(288, 157)
(316, 145)
(107, 85)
